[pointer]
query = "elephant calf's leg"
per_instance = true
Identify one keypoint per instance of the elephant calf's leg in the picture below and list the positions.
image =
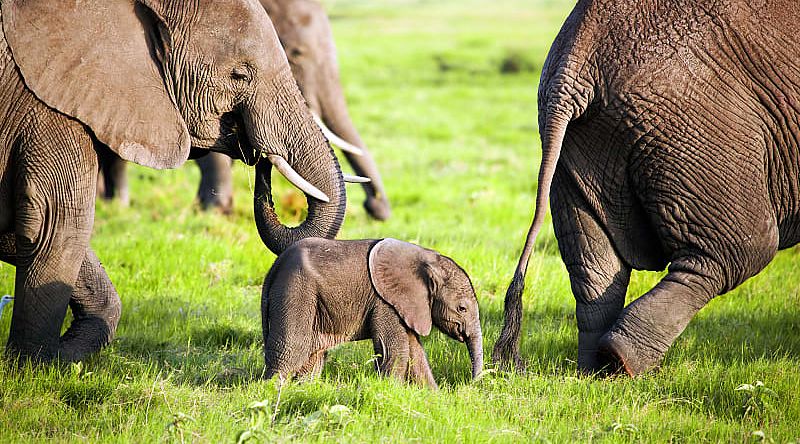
(650, 324)
(313, 367)
(390, 342)
(96, 309)
(283, 358)
(419, 370)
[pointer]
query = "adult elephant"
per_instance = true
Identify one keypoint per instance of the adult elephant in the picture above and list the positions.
(305, 33)
(152, 80)
(670, 137)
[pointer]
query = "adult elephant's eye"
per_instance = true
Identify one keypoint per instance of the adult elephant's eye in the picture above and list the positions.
(462, 309)
(242, 73)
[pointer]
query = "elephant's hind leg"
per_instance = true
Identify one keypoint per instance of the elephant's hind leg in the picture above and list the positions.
(650, 324)
(598, 277)
(290, 337)
(313, 367)
(721, 232)
(96, 309)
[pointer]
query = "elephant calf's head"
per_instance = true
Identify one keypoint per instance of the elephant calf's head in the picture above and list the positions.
(428, 288)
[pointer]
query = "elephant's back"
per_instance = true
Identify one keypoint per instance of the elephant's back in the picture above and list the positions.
(336, 280)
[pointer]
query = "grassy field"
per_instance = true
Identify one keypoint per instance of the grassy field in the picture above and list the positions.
(445, 94)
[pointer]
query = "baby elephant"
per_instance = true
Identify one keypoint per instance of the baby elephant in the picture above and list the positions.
(321, 293)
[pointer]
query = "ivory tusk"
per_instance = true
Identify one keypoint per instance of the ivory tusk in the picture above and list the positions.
(356, 179)
(336, 140)
(296, 179)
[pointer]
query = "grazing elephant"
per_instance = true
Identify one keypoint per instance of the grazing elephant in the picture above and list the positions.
(151, 80)
(305, 33)
(385, 290)
(670, 137)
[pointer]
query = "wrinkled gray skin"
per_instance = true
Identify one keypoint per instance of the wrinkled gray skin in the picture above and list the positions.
(305, 33)
(149, 80)
(321, 293)
(670, 137)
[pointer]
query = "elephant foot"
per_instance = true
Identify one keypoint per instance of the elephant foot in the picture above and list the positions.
(378, 208)
(85, 337)
(625, 354)
(591, 361)
(215, 202)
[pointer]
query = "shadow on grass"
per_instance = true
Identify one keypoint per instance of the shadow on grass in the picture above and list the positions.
(225, 355)
(733, 336)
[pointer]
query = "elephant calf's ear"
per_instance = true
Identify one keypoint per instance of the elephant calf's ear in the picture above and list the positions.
(398, 272)
(92, 60)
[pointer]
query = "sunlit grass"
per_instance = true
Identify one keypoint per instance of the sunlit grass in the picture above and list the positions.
(457, 143)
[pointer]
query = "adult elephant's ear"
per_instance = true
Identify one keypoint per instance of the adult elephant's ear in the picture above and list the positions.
(401, 274)
(97, 61)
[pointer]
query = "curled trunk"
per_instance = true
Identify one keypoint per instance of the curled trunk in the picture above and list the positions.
(323, 220)
(301, 144)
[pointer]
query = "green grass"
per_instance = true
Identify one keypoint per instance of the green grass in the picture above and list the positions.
(457, 143)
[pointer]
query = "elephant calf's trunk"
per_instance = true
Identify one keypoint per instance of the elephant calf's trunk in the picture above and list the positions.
(475, 347)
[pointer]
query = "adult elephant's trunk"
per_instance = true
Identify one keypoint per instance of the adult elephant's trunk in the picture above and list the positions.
(298, 148)
(334, 115)
(475, 347)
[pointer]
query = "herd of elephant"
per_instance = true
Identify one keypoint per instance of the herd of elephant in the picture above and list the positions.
(670, 139)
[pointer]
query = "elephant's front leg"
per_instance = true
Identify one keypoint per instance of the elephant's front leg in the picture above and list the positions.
(56, 181)
(419, 369)
(390, 342)
(216, 182)
(112, 181)
(598, 277)
(95, 306)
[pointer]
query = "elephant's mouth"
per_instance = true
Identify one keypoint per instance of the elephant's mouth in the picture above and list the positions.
(459, 333)
(235, 140)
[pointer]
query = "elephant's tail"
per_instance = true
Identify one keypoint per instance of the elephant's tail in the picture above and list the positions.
(566, 90)
(552, 138)
(553, 131)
